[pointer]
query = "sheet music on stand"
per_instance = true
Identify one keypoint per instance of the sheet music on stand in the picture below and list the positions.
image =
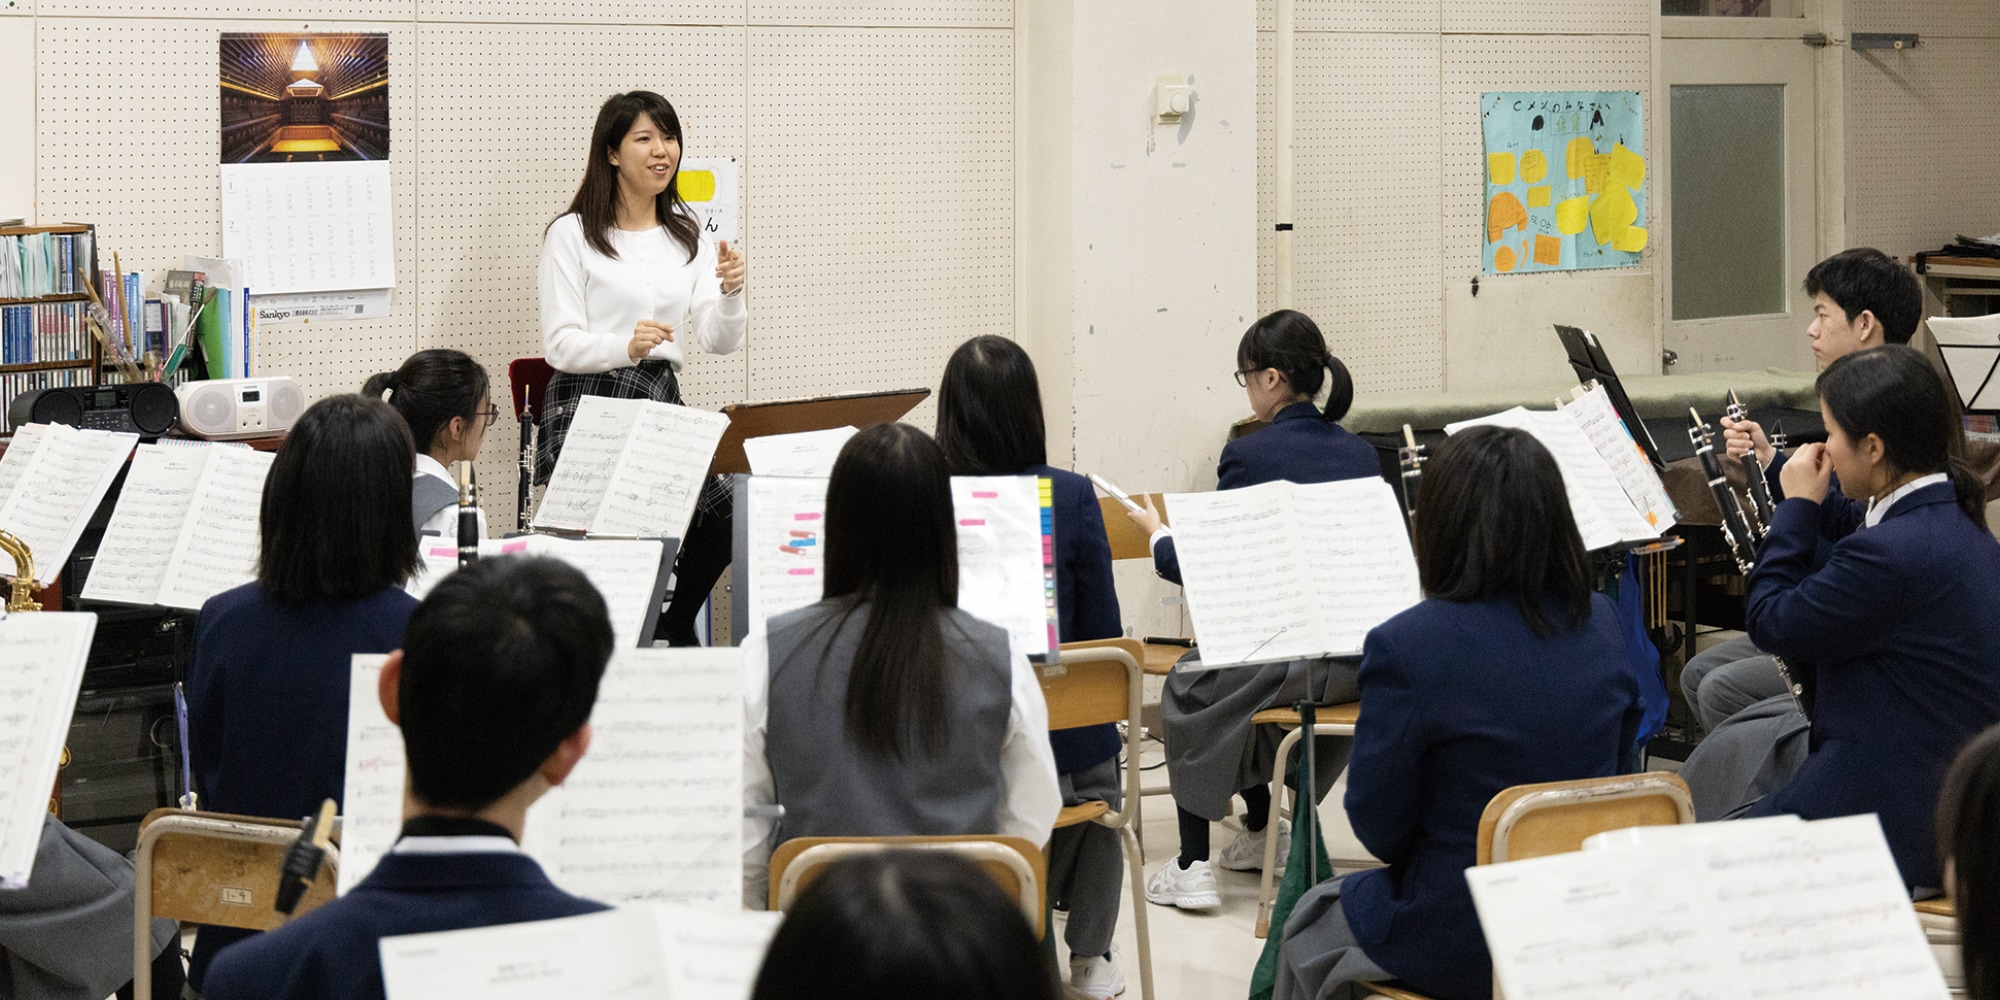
(1605, 516)
(42, 656)
(1590, 407)
(631, 467)
(653, 813)
(1808, 909)
(1005, 528)
(1970, 347)
(1288, 571)
(185, 527)
(659, 952)
(54, 486)
(630, 573)
(807, 453)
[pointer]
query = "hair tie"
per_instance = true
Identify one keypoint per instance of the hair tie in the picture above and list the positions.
(389, 386)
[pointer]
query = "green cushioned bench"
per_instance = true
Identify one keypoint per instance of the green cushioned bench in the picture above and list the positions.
(1654, 396)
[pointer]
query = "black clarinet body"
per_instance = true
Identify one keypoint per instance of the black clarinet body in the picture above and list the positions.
(1411, 458)
(1753, 470)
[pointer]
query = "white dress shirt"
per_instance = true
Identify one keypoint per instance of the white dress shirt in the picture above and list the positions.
(445, 521)
(591, 303)
(1878, 509)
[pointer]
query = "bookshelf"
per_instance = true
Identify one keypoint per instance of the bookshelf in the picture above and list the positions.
(47, 333)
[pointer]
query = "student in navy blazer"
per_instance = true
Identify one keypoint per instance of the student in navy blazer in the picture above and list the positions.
(1213, 752)
(1510, 672)
(493, 690)
(990, 424)
(1898, 624)
(267, 685)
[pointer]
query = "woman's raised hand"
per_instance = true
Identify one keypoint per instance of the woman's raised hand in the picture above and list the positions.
(646, 336)
(730, 267)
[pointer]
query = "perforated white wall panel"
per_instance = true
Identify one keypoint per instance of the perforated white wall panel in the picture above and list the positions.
(882, 221)
(298, 14)
(929, 13)
(1574, 17)
(1367, 258)
(632, 12)
(1960, 18)
(128, 113)
(1356, 15)
(18, 8)
(1923, 135)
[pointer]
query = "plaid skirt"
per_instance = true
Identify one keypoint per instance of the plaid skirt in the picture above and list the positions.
(654, 380)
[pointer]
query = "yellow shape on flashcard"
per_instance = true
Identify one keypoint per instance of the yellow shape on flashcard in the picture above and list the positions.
(1572, 216)
(1538, 197)
(1503, 259)
(1627, 168)
(1611, 213)
(1534, 166)
(1500, 167)
(697, 185)
(1581, 150)
(1632, 240)
(1548, 250)
(1506, 212)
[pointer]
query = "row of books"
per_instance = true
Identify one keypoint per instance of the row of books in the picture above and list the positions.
(15, 383)
(32, 333)
(37, 264)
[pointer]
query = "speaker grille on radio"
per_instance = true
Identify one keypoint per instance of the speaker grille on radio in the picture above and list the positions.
(154, 407)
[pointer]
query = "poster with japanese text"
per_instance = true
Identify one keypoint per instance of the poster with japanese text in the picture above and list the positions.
(1565, 180)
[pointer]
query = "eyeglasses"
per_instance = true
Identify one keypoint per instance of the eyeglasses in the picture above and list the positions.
(1243, 376)
(491, 413)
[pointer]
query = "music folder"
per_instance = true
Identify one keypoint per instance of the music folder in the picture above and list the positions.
(860, 410)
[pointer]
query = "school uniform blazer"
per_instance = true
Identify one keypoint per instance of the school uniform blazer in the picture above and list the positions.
(1300, 446)
(1459, 701)
(1086, 600)
(1900, 625)
(331, 952)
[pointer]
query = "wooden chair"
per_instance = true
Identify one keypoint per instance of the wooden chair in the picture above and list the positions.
(1093, 684)
(1329, 720)
(1940, 922)
(1533, 821)
(1128, 542)
(216, 869)
(1013, 862)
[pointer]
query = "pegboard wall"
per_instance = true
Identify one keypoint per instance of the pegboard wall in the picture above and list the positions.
(874, 156)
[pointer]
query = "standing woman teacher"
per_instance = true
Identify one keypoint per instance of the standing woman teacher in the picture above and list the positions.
(627, 281)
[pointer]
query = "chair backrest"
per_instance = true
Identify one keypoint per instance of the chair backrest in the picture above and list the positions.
(1095, 682)
(221, 869)
(1014, 863)
(1127, 541)
(1531, 821)
(529, 378)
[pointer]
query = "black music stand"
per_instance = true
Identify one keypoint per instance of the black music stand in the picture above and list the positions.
(1588, 360)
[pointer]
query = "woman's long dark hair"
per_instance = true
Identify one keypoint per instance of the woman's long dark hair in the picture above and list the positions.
(596, 201)
(990, 410)
(1968, 814)
(1290, 341)
(335, 521)
(891, 543)
(431, 388)
(1493, 520)
(1894, 393)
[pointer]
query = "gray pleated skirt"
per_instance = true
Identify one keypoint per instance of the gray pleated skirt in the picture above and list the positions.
(1213, 751)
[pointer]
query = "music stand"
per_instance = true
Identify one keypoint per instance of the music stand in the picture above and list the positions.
(792, 416)
(1588, 360)
(1970, 347)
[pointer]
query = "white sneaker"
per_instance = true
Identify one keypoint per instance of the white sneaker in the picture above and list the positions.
(1095, 978)
(1190, 888)
(1246, 852)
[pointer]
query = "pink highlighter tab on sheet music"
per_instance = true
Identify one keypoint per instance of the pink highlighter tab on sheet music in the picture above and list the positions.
(972, 522)
(801, 571)
(809, 516)
(513, 548)
(985, 495)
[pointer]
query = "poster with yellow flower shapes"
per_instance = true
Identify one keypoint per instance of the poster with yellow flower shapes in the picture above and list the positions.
(1565, 180)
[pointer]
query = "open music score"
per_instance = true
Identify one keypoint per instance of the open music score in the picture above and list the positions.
(1005, 552)
(1591, 409)
(631, 467)
(1286, 571)
(51, 480)
(630, 573)
(660, 952)
(1757, 908)
(41, 669)
(185, 528)
(653, 813)
(1605, 515)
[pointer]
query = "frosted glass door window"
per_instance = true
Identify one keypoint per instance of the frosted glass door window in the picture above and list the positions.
(1728, 200)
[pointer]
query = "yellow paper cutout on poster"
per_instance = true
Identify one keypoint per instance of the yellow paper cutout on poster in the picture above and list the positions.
(1632, 240)
(1500, 167)
(1627, 168)
(1597, 174)
(1581, 150)
(1572, 216)
(1538, 197)
(1611, 213)
(1534, 166)
(1548, 250)
(1503, 259)
(1506, 212)
(696, 185)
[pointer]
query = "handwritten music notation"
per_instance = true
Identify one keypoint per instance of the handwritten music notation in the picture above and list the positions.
(52, 493)
(41, 670)
(631, 467)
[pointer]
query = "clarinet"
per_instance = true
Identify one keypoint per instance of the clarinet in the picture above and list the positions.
(1411, 458)
(1742, 540)
(468, 516)
(525, 508)
(1753, 470)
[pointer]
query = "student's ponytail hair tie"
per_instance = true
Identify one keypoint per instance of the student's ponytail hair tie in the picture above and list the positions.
(389, 386)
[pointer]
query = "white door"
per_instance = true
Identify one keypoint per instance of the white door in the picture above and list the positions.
(1741, 175)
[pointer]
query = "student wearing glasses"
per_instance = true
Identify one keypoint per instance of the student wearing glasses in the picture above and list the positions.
(442, 395)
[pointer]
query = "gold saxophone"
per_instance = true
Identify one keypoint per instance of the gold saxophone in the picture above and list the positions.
(22, 596)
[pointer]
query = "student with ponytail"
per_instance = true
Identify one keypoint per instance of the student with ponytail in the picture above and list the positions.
(1897, 625)
(1213, 752)
(442, 395)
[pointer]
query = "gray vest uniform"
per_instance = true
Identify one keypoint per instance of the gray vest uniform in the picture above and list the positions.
(830, 787)
(428, 495)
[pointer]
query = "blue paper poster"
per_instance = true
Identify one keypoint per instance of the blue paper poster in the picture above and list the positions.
(1565, 180)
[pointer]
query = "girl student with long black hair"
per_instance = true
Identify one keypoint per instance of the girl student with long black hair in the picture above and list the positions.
(884, 709)
(443, 395)
(1896, 627)
(1968, 814)
(1213, 752)
(1509, 672)
(990, 424)
(627, 283)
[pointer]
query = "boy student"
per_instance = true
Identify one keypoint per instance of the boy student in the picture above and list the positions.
(493, 690)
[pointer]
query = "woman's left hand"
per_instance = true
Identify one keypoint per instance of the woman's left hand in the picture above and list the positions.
(1807, 473)
(730, 267)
